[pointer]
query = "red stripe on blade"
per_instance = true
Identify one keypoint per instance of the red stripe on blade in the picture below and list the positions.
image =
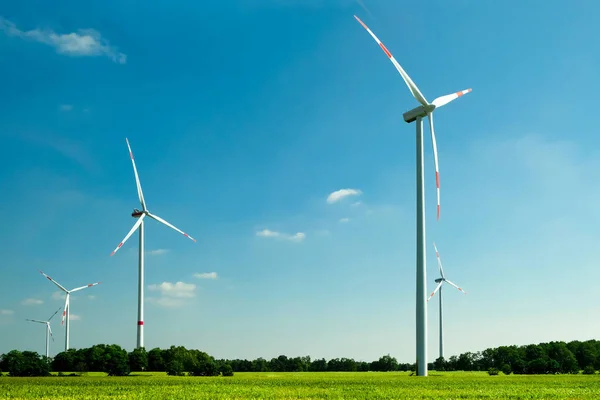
(385, 50)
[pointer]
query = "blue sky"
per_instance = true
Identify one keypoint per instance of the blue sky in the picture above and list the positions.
(244, 117)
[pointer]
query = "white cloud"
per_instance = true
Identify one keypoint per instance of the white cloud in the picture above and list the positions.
(91, 297)
(344, 219)
(6, 312)
(86, 42)
(206, 275)
(297, 237)
(30, 301)
(358, 203)
(178, 289)
(74, 317)
(340, 194)
(158, 252)
(58, 295)
(166, 302)
(66, 107)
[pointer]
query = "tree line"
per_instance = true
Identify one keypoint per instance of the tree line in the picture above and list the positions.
(543, 358)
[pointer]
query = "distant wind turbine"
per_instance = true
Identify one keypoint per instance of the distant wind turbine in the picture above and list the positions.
(140, 214)
(67, 308)
(440, 281)
(48, 330)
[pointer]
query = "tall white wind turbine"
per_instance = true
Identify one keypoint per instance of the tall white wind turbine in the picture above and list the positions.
(440, 281)
(417, 114)
(140, 214)
(48, 330)
(67, 307)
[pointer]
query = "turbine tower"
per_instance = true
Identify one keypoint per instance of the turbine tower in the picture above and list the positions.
(440, 281)
(67, 308)
(417, 114)
(140, 214)
(48, 330)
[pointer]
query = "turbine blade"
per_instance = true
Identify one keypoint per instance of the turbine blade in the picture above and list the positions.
(53, 281)
(411, 85)
(159, 219)
(86, 286)
(35, 320)
(456, 286)
(50, 331)
(135, 226)
(436, 289)
(64, 314)
(435, 161)
(443, 100)
(137, 178)
(439, 260)
(56, 312)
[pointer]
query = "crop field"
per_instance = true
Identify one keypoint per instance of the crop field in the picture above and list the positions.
(307, 385)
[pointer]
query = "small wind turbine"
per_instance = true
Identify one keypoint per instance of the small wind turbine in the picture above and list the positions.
(440, 281)
(48, 330)
(140, 214)
(67, 308)
(424, 110)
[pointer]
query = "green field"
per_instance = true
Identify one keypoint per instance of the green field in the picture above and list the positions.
(307, 385)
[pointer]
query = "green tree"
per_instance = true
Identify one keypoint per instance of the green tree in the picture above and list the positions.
(138, 359)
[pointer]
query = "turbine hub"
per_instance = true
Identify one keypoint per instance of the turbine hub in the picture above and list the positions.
(136, 213)
(438, 280)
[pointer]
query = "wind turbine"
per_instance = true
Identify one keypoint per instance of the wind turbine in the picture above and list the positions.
(67, 308)
(417, 114)
(440, 281)
(140, 214)
(48, 330)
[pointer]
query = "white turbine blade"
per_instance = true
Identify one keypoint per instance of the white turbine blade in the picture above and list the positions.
(411, 85)
(53, 281)
(159, 219)
(436, 289)
(456, 286)
(86, 286)
(435, 161)
(439, 260)
(50, 331)
(56, 312)
(64, 314)
(135, 226)
(35, 320)
(443, 100)
(137, 178)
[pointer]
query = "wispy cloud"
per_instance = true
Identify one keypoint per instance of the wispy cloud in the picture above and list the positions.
(68, 148)
(91, 297)
(157, 252)
(342, 193)
(83, 43)
(297, 237)
(206, 275)
(172, 294)
(6, 312)
(344, 220)
(66, 107)
(31, 301)
(58, 295)
(74, 317)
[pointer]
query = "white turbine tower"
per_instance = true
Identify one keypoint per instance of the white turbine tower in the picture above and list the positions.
(440, 281)
(424, 110)
(67, 307)
(48, 330)
(140, 214)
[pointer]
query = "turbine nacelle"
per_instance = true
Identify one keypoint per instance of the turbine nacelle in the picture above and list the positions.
(438, 280)
(137, 213)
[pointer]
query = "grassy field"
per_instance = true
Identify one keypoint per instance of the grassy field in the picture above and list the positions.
(308, 385)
